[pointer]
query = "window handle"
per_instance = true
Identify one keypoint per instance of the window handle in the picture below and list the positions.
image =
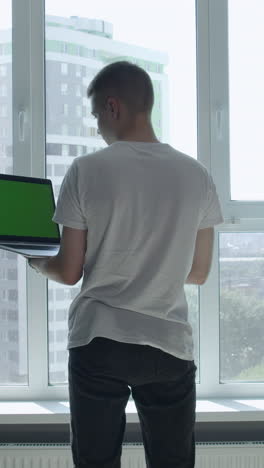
(233, 220)
(219, 122)
(21, 125)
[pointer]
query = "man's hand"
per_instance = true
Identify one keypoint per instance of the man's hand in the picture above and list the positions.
(67, 266)
(37, 262)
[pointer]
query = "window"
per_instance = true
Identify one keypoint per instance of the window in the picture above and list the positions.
(64, 88)
(64, 48)
(51, 336)
(3, 313)
(78, 111)
(51, 358)
(64, 129)
(78, 70)
(3, 91)
(3, 70)
(79, 150)
(192, 80)
(61, 335)
(78, 90)
(3, 132)
(65, 150)
(92, 132)
(12, 274)
(2, 150)
(49, 170)
(59, 170)
(13, 335)
(61, 315)
(56, 190)
(60, 295)
(65, 109)
(64, 68)
(3, 336)
(61, 358)
(3, 110)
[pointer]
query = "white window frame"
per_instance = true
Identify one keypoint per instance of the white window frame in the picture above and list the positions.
(212, 78)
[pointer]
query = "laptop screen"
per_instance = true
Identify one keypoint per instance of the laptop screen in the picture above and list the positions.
(27, 206)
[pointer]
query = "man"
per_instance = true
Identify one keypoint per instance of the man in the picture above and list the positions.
(138, 221)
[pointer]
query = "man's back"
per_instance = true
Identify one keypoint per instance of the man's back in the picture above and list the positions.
(143, 204)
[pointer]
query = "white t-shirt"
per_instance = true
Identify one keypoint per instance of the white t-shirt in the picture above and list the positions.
(142, 204)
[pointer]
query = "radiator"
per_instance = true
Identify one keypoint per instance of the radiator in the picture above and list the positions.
(208, 455)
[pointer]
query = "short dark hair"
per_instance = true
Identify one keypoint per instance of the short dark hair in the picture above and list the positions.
(126, 81)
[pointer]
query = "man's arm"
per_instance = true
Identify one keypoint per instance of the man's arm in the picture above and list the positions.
(67, 266)
(202, 258)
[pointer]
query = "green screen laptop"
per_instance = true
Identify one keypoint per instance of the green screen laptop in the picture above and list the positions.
(27, 206)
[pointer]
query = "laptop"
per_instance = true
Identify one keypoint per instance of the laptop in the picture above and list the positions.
(27, 206)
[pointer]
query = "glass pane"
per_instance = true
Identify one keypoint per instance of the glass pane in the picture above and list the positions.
(246, 96)
(241, 307)
(78, 45)
(13, 316)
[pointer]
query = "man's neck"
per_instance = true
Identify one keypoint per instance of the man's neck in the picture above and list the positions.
(139, 139)
(141, 131)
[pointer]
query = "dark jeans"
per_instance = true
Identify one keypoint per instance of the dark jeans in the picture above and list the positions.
(163, 388)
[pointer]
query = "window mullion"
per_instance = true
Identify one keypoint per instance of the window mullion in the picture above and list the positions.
(203, 83)
(209, 336)
(219, 103)
(21, 87)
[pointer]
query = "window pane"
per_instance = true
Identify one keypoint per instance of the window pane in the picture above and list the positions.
(246, 96)
(241, 306)
(13, 316)
(113, 37)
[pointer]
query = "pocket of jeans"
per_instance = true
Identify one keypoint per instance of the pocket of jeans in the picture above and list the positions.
(170, 366)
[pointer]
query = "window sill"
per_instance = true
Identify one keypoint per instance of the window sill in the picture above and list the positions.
(57, 412)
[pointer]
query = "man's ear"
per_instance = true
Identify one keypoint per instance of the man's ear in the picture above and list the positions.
(113, 105)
